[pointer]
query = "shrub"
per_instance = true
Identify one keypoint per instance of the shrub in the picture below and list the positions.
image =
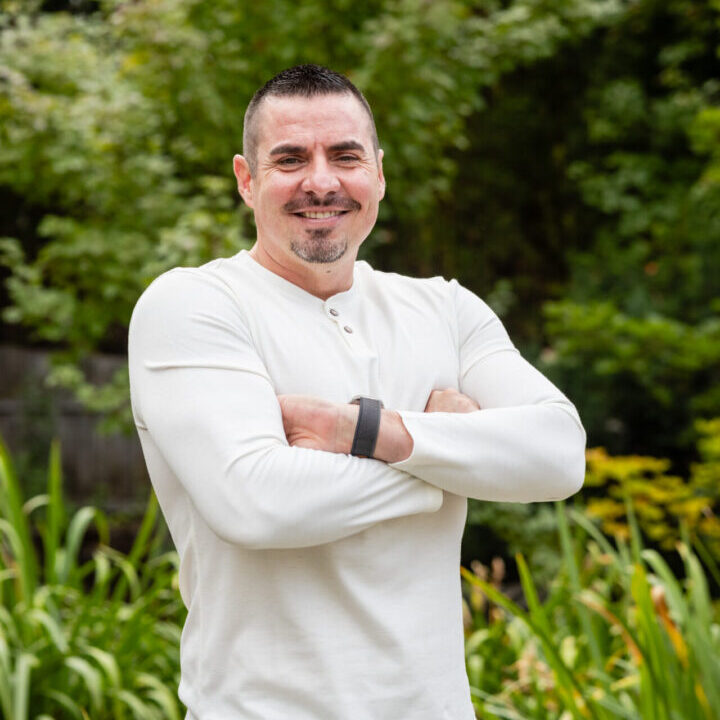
(83, 638)
(618, 636)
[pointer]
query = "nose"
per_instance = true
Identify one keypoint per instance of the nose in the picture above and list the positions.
(320, 177)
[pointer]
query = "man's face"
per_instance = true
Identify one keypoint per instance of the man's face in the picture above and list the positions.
(318, 183)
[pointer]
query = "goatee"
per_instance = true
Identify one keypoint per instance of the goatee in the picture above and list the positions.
(318, 249)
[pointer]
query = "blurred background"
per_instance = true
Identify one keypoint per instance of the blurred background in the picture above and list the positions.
(561, 159)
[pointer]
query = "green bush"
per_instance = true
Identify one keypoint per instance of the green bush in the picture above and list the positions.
(96, 634)
(618, 636)
(83, 638)
(118, 125)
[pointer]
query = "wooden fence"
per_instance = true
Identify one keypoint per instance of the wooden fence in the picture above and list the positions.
(107, 470)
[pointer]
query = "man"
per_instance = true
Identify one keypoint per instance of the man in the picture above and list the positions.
(319, 538)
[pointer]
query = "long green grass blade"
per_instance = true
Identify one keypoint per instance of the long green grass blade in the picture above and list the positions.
(138, 708)
(91, 678)
(107, 663)
(698, 587)
(65, 702)
(707, 558)
(103, 575)
(34, 503)
(21, 701)
(676, 601)
(160, 694)
(52, 627)
(141, 545)
(145, 531)
(18, 562)
(705, 645)
(6, 703)
(590, 528)
(596, 602)
(8, 626)
(75, 533)
(535, 609)
(636, 543)
(491, 705)
(128, 574)
(662, 663)
(11, 509)
(573, 572)
(55, 513)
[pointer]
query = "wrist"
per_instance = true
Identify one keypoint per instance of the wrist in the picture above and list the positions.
(394, 442)
(345, 429)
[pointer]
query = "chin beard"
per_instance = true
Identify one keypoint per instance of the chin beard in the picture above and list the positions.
(318, 249)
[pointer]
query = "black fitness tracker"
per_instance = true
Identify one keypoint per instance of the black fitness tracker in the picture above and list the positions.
(368, 426)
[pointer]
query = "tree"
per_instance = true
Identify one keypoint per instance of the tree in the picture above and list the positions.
(637, 338)
(118, 124)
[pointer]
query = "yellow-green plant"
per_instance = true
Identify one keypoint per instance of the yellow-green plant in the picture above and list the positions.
(618, 635)
(96, 638)
(662, 501)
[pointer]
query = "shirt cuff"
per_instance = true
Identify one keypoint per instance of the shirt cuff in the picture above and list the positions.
(414, 427)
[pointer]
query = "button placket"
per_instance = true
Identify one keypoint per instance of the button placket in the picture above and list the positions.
(345, 327)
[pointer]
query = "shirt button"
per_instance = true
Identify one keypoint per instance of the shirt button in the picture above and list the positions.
(334, 312)
(347, 329)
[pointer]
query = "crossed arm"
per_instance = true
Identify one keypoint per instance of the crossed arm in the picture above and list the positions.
(269, 472)
(509, 435)
(321, 425)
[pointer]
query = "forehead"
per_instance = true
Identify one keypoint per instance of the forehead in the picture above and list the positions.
(324, 119)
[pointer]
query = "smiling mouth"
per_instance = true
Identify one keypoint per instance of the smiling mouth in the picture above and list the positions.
(320, 215)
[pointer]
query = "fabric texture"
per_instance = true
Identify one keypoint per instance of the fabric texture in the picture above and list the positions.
(322, 585)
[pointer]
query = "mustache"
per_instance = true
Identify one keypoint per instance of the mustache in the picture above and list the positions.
(309, 203)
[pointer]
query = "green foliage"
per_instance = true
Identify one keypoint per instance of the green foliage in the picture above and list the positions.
(649, 372)
(80, 637)
(618, 636)
(524, 528)
(564, 151)
(119, 126)
(636, 339)
(663, 503)
(561, 159)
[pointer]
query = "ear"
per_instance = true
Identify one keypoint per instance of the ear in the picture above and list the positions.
(381, 176)
(244, 179)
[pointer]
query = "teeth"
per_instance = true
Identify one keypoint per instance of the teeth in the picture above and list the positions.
(320, 215)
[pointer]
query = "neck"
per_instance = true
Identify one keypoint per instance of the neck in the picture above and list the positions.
(320, 279)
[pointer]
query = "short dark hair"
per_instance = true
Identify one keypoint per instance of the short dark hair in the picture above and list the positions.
(305, 81)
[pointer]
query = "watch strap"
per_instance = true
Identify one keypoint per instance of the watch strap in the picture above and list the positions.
(368, 426)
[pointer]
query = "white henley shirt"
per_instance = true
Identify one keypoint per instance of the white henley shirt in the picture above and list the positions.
(322, 586)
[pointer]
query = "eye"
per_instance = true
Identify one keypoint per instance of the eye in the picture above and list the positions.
(347, 158)
(290, 160)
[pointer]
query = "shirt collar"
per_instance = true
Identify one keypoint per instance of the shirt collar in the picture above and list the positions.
(295, 291)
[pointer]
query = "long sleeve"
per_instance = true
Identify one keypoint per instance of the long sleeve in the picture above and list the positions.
(201, 391)
(525, 444)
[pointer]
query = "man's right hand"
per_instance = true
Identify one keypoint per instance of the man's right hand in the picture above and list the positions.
(450, 400)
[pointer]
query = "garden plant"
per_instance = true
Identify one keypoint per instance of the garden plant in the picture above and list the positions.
(83, 638)
(87, 631)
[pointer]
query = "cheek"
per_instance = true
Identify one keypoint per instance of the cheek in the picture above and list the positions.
(365, 191)
(276, 195)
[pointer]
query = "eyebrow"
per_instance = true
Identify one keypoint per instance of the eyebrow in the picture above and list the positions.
(347, 145)
(288, 149)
